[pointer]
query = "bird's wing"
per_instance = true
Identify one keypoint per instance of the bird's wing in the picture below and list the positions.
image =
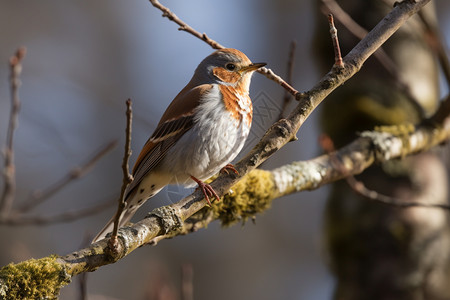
(156, 149)
(178, 118)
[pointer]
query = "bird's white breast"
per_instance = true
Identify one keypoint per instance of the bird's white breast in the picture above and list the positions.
(215, 140)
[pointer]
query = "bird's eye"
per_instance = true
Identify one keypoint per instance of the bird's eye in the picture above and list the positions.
(230, 67)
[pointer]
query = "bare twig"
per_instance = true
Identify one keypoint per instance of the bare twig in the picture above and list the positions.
(274, 77)
(7, 199)
(358, 31)
(127, 178)
(361, 189)
(65, 217)
(436, 42)
(383, 58)
(215, 45)
(290, 71)
(185, 27)
(40, 196)
(334, 38)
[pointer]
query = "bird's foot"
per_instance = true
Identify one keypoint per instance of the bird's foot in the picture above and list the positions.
(207, 190)
(228, 168)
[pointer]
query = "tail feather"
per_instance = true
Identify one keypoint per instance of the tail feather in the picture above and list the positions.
(151, 185)
(124, 218)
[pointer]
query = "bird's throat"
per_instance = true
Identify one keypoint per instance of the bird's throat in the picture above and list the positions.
(237, 103)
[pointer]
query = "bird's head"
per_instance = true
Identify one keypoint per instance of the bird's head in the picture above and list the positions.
(227, 66)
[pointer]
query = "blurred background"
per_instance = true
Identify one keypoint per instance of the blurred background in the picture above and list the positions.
(84, 59)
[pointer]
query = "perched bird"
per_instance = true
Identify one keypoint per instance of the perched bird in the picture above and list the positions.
(200, 133)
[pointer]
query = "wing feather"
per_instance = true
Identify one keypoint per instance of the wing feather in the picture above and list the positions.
(178, 118)
(157, 150)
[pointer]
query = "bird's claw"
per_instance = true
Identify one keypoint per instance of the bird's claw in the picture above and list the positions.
(228, 168)
(207, 190)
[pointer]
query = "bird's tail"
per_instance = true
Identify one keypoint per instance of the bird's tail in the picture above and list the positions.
(125, 216)
(152, 185)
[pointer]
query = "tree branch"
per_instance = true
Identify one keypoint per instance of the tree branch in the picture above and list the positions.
(334, 38)
(9, 173)
(256, 191)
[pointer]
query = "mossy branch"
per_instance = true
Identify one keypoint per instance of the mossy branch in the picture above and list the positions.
(33, 279)
(251, 195)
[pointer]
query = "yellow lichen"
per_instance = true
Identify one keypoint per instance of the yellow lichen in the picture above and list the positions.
(33, 279)
(251, 195)
(398, 130)
(401, 131)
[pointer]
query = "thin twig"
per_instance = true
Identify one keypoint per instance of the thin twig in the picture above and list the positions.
(215, 45)
(185, 27)
(289, 74)
(65, 217)
(361, 189)
(380, 55)
(9, 190)
(436, 42)
(274, 77)
(127, 178)
(40, 196)
(358, 31)
(334, 38)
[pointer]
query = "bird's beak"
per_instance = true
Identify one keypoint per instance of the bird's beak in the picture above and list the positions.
(253, 67)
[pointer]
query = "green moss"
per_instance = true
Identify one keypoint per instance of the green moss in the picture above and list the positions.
(33, 279)
(251, 195)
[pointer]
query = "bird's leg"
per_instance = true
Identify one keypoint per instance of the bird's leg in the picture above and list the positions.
(207, 190)
(228, 168)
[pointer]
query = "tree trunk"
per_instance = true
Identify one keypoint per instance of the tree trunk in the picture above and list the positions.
(379, 251)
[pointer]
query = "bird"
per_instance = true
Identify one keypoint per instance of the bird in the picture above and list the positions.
(202, 130)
